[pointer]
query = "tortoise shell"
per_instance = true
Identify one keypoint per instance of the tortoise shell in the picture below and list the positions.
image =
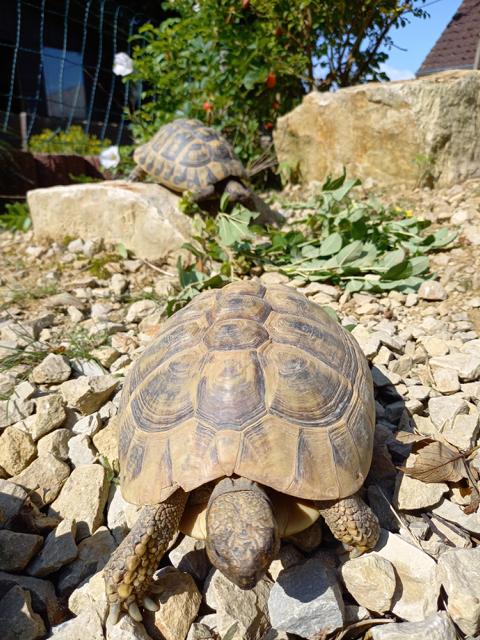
(253, 381)
(186, 155)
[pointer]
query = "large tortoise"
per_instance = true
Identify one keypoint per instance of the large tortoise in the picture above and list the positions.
(186, 155)
(257, 393)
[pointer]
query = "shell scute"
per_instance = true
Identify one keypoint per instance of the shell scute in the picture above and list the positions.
(285, 300)
(171, 148)
(157, 168)
(237, 306)
(231, 390)
(308, 335)
(198, 154)
(229, 335)
(302, 389)
(180, 176)
(244, 288)
(135, 459)
(164, 399)
(171, 341)
(167, 173)
(197, 309)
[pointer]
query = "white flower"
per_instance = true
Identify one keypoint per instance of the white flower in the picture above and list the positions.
(109, 157)
(196, 7)
(122, 64)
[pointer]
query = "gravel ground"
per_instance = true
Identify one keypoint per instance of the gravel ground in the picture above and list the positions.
(72, 320)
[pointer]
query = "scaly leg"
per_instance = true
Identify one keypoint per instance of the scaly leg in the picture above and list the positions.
(129, 571)
(204, 193)
(352, 522)
(137, 174)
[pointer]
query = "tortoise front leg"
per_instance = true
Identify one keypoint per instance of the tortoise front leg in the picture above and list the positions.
(352, 522)
(129, 571)
(137, 174)
(203, 193)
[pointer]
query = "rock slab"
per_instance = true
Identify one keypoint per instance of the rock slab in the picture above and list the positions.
(45, 476)
(17, 549)
(411, 494)
(438, 626)
(44, 599)
(306, 600)
(12, 500)
(93, 555)
(87, 625)
(417, 586)
(17, 450)
(393, 133)
(83, 498)
(53, 369)
(49, 416)
(90, 595)
(246, 607)
(459, 572)
(59, 549)
(371, 581)
(88, 393)
(17, 618)
(144, 217)
(179, 601)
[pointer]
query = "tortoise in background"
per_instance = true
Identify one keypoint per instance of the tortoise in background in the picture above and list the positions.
(260, 393)
(186, 155)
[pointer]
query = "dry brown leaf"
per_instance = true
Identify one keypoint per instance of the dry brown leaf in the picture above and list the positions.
(437, 462)
(406, 437)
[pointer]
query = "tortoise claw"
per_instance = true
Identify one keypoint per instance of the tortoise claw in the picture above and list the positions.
(356, 552)
(150, 604)
(114, 613)
(134, 612)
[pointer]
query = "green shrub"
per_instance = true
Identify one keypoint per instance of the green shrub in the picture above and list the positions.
(239, 65)
(214, 65)
(72, 141)
(16, 217)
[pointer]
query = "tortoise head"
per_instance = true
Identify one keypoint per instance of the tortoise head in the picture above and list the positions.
(237, 192)
(242, 534)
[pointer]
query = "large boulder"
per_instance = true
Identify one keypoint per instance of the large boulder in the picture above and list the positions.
(144, 217)
(404, 132)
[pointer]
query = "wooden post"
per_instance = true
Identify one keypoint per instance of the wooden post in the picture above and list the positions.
(23, 129)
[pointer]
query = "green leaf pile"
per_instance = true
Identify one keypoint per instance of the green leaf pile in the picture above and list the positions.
(357, 245)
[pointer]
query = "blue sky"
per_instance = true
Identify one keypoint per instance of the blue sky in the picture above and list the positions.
(416, 39)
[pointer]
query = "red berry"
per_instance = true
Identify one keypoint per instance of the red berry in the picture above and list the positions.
(245, 4)
(268, 125)
(207, 106)
(271, 80)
